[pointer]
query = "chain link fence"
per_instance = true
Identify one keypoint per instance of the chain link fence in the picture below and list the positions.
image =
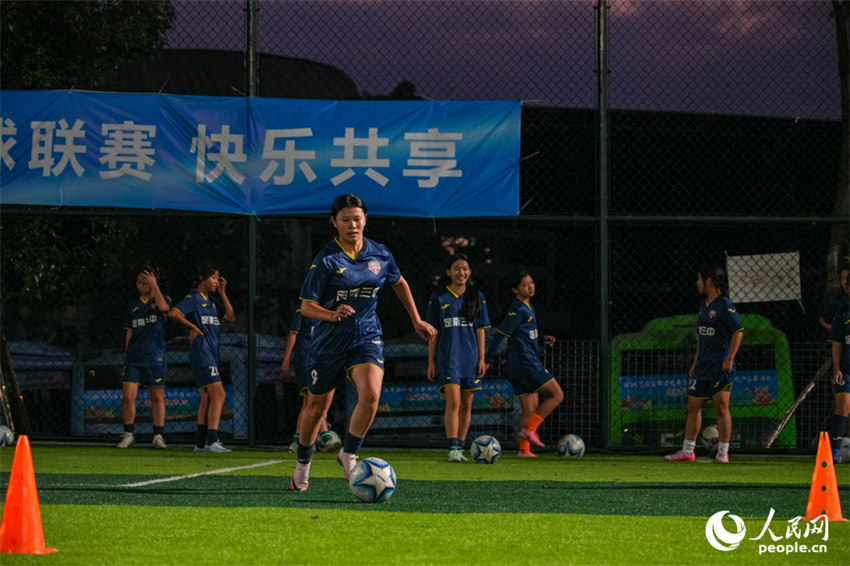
(723, 130)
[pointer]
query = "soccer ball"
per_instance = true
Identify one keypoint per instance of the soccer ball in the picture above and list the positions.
(571, 445)
(845, 450)
(7, 436)
(372, 480)
(708, 438)
(485, 449)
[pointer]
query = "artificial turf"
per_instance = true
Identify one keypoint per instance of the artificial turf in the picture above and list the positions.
(592, 510)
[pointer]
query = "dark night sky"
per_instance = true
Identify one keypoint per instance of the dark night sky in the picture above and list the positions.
(765, 58)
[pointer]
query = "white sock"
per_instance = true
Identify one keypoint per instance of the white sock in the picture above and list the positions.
(688, 446)
(722, 448)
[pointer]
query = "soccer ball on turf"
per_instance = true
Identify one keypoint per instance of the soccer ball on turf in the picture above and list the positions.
(485, 449)
(845, 450)
(372, 480)
(7, 436)
(571, 445)
(709, 437)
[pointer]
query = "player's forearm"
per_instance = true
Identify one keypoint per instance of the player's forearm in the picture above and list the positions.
(318, 312)
(836, 356)
(229, 313)
(177, 316)
(402, 291)
(735, 345)
(161, 303)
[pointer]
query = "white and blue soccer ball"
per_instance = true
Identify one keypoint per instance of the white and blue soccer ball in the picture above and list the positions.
(485, 449)
(709, 438)
(571, 445)
(7, 436)
(845, 450)
(372, 480)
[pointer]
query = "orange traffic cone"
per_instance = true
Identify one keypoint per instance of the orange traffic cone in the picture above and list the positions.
(823, 497)
(20, 530)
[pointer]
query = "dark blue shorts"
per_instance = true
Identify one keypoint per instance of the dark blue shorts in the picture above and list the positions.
(205, 376)
(528, 378)
(328, 366)
(836, 389)
(146, 376)
(703, 386)
(465, 383)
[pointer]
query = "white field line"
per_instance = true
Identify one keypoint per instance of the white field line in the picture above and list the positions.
(186, 477)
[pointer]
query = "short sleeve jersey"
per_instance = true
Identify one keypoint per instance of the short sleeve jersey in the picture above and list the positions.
(839, 304)
(147, 339)
(457, 340)
(716, 324)
(520, 326)
(840, 332)
(336, 277)
(202, 312)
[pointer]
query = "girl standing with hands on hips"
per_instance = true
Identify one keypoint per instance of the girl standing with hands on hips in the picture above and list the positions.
(341, 293)
(459, 312)
(202, 314)
(525, 370)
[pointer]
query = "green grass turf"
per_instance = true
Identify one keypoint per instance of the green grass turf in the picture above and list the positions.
(592, 510)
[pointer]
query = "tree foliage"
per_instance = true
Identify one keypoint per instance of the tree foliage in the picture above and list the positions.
(50, 45)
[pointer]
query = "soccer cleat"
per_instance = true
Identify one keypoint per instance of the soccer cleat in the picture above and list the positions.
(532, 437)
(347, 461)
(722, 458)
(159, 442)
(216, 447)
(836, 456)
(127, 440)
(199, 448)
(528, 454)
(300, 477)
(293, 447)
(333, 445)
(456, 455)
(680, 456)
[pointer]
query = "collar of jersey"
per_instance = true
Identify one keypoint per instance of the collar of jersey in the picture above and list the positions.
(353, 257)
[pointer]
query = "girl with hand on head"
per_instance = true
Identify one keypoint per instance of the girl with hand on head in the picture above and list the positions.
(145, 363)
(201, 313)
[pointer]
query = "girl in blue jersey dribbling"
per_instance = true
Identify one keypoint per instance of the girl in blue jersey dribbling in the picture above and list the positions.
(525, 370)
(341, 293)
(202, 315)
(459, 312)
(710, 377)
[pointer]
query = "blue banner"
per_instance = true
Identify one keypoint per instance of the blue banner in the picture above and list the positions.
(259, 155)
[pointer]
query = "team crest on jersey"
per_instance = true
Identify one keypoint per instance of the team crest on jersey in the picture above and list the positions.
(712, 313)
(374, 266)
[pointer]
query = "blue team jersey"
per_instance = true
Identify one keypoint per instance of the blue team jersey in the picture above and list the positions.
(520, 327)
(840, 332)
(716, 324)
(147, 338)
(202, 312)
(839, 305)
(336, 277)
(303, 327)
(457, 340)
